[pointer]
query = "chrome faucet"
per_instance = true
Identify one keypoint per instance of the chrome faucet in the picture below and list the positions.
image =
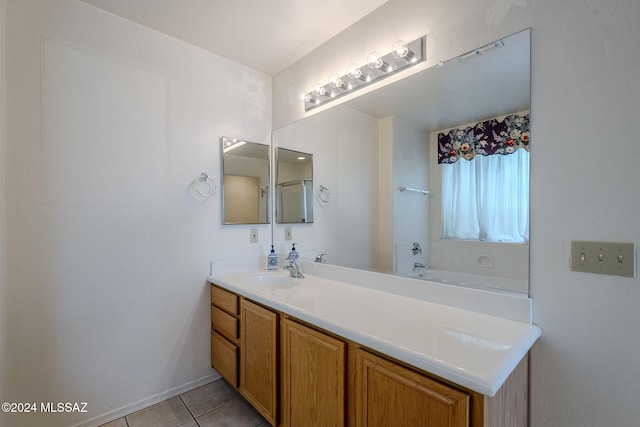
(416, 249)
(417, 265)
(320, 259)
(294, 270)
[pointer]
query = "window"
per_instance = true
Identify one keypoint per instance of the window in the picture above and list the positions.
(487, 198)
(485, 181)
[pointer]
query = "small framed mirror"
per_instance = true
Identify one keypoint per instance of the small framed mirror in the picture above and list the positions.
(294, 181)
(245, 182)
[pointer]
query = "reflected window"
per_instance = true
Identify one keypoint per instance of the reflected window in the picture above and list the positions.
(485, 180)
(487, 199)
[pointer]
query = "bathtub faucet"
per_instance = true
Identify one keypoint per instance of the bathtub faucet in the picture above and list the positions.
(417, 265)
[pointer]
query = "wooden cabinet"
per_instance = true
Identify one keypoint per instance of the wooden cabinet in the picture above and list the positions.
(389, 394)
(259, 358)
(313, 370)
(296, 375)
(224, 334)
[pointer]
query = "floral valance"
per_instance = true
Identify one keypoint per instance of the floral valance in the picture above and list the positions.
(485, 138)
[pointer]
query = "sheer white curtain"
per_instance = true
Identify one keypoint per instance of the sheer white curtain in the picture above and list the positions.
(487, 198)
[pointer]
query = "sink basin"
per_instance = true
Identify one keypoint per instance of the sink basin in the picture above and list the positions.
(273, 280)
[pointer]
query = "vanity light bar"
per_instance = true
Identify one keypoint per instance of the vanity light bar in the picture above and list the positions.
(378, 67)
(229, 144)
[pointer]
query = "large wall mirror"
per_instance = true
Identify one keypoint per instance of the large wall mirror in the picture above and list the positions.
(245, 182)
(294, 191)
(366, 149)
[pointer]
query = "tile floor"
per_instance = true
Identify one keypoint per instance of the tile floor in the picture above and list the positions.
(214, 404)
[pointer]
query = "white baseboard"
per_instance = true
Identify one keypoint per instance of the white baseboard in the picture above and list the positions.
(146, 402)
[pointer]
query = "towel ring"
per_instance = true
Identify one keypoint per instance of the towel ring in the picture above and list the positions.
(213, 187)
(324, 194)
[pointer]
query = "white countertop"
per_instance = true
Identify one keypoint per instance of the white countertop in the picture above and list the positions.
(475, 350)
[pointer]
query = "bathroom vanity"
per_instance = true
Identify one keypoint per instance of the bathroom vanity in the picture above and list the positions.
(322, 352)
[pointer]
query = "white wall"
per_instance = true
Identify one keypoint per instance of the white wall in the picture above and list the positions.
(107, 249)
(362, 161)
(410, 209)
(384, 252)
(344, 145)
(403, 159)
(584, 176)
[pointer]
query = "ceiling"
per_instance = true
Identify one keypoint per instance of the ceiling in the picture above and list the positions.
(267, 36)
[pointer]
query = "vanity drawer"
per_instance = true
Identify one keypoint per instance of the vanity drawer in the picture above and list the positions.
(224, 323)
(224, 358)
(225, 300)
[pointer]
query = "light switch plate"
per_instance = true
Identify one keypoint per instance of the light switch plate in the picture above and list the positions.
(618, 259)
(253, 235)
(287, 233)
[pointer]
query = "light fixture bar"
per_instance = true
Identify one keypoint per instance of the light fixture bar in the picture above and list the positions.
(479, 51)
(403, 56)
(229, 144)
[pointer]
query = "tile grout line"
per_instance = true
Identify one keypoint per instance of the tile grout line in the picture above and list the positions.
(187, 406)
(237, 397)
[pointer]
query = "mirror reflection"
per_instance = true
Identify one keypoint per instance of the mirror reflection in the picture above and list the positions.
(294, 180)
(366, 149)
(245, 182)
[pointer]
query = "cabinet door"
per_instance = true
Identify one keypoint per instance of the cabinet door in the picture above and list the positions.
(313, 377)
(258, 358)
(388, 394)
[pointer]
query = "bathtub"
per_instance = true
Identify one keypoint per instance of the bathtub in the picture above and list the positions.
(468, 280)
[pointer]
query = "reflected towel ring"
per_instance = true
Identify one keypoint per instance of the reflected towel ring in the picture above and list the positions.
(213, 187)
(324, 194)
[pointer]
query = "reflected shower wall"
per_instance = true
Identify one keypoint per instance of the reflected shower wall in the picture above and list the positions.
(296, 201)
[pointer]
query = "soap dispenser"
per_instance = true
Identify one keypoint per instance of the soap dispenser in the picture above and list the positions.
(293, 254)
(272, 260)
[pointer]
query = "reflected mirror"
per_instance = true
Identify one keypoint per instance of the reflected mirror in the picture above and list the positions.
(294, 180)
(367, 149)
(245, 182)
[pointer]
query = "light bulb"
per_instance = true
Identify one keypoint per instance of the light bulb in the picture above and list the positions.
(375, 61)
(337, 82)
(372, 59)
(400, 50)
(320, 90)
(355, 72)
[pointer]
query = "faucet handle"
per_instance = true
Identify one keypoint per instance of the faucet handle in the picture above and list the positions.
(320, 259)
(291, 267)
(416, 249)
